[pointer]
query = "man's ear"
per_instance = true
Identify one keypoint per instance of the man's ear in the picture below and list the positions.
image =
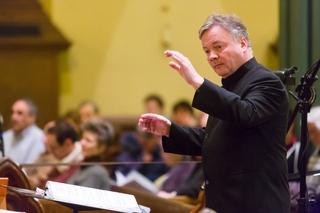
(32, 119)
(244, 43)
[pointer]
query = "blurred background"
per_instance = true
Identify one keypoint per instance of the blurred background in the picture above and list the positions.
(61, 52)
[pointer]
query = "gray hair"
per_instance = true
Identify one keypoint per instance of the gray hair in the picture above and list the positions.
(91, 103)
(231, 23)
(102, 128)
(33, 109)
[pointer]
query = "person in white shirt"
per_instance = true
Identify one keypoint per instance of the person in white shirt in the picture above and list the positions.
(23, 142)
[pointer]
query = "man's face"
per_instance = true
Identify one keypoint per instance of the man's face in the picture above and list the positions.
(53, 147)
(184, 117)
(87, 113)
(20, 117)
(152, 106)
(224, 54)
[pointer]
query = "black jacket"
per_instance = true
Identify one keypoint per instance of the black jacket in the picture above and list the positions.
(243, 144)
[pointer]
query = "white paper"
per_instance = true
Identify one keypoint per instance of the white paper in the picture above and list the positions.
(136, 180)
(91, 197)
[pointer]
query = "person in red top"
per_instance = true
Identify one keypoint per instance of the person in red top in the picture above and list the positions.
(61, 143)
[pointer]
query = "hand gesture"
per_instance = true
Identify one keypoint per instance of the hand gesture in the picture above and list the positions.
(156, 124)
(184, 68)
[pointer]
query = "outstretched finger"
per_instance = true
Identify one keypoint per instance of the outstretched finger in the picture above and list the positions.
(174, 66)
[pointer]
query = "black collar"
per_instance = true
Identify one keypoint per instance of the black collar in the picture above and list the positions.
(239, 73)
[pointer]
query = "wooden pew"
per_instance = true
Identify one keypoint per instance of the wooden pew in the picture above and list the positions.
(18, 178)
(157, 204)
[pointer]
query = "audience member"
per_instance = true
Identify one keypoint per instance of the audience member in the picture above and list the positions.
(37, 174)
(313, 159)
(153, 104)
(23, 142)
(73, 117)
(314, 137)
(97, 136)
(61, 143)
(293, 144)
(183, 113)
(88, 110)
(145, 149)
(185, 176)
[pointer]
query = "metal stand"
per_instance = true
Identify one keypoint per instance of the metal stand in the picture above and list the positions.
(305, 98)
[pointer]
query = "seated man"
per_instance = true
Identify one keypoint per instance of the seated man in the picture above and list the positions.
(183, 178)
(142, 148)
(88, 111)
(23, 142)
(37, 174)
(61, 143)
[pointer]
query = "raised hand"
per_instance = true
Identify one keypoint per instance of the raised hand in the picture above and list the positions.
(184, 68)
(156, 124)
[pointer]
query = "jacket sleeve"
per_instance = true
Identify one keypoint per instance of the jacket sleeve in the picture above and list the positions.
(183, 140)
(260, 99)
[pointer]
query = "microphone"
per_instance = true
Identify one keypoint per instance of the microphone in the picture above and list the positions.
(286, 75)
(1, 138)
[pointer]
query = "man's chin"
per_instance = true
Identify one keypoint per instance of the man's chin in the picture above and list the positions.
(222, 75)
(16, 130)
(220, 72)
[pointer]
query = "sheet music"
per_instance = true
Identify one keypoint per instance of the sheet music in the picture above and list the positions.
(91, 197)
(9, 211)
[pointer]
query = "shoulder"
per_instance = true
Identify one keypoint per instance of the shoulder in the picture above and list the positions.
(261, 75)
(96, 170)
(8, 133)
(33, 132)
(263, 72)
(36, 130)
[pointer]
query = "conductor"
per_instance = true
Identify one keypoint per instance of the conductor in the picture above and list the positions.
(243, 144)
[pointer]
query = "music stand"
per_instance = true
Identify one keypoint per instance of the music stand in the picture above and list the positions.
(75, 207)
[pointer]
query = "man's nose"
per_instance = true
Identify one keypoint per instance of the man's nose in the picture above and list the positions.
(212, 55)
(13, 116)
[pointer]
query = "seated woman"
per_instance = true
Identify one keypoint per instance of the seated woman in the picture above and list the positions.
(97, 136)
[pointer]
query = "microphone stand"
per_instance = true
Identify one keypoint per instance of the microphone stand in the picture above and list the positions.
(305, 98)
